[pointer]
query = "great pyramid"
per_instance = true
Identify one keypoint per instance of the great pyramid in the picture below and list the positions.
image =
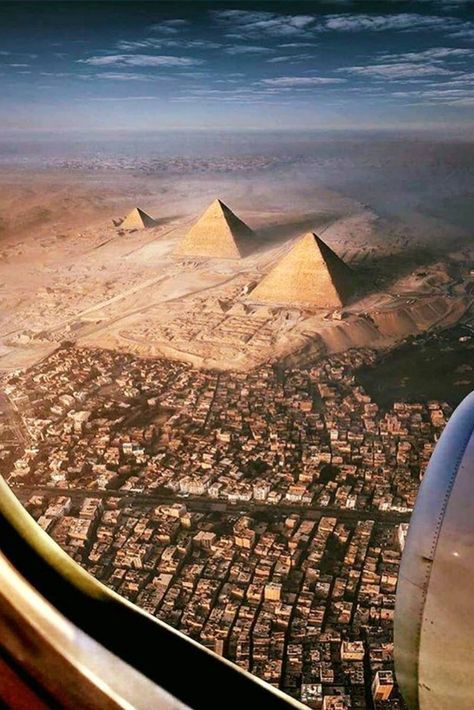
(138, 219)
(218, 233)
(311, 273)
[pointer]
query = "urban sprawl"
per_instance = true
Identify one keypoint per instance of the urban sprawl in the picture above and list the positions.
(261, 513)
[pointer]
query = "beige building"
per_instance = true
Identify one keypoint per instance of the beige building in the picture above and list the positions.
(382, 685)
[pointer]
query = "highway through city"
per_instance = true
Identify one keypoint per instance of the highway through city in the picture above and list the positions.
(200, 504)
(11, 415)
(203, 504)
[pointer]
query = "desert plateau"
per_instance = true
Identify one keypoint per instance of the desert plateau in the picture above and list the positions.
(71, 271)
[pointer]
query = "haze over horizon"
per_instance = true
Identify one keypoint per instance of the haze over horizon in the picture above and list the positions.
(144, 66)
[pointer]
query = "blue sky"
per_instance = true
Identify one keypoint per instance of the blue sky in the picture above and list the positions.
(265, 65)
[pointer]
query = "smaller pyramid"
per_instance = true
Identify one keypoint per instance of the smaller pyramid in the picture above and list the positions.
(218, 234)
(137, 219)
(310, 274)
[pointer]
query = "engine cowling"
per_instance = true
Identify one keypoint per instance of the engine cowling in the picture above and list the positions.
(434, 612)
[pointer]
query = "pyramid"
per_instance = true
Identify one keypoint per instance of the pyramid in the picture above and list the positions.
(311, 273)
(218, 233)
(137, 219)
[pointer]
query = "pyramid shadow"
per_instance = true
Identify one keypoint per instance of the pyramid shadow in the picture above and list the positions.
(380, 272)
(276, 234)
(163, 221)
(249, 246)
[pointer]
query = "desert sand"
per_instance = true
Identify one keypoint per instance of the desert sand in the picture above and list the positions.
(71, 270)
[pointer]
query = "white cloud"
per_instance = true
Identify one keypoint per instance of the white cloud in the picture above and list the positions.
(468, 101)
(289, 59)
(296, 45)
(380, 23)
(195, 74)
(250, 23)
(140, 60)
(124, 76)
(245, 24)
(247, 49)
(435, 54)
(120, 98)
(170, 26)
(59, 74)
(442, 96)
(278, 60)
(132, 46)
(301, 81)
(401, 70)
(462, 79)
(161, 43)
(465, 33)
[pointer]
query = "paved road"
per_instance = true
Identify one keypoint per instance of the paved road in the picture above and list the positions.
(12, 415)
(206, 505)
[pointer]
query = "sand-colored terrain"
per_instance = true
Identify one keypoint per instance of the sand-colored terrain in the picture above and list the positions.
(68, 272)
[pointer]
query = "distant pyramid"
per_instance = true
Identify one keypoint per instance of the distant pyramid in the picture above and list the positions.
(311, 273)
(217, 233)
(138, 219)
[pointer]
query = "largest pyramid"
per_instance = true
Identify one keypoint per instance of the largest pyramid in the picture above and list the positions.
(218, 233)
(311, 273)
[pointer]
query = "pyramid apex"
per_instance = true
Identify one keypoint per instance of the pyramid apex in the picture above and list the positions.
(309, 237)
(312, 237)
(319, 240)
(217, 202)
(309, 241)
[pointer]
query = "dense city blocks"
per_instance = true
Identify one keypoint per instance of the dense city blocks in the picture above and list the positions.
(261, 513)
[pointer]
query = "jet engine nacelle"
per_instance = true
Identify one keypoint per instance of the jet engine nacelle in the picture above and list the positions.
(434, 614)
